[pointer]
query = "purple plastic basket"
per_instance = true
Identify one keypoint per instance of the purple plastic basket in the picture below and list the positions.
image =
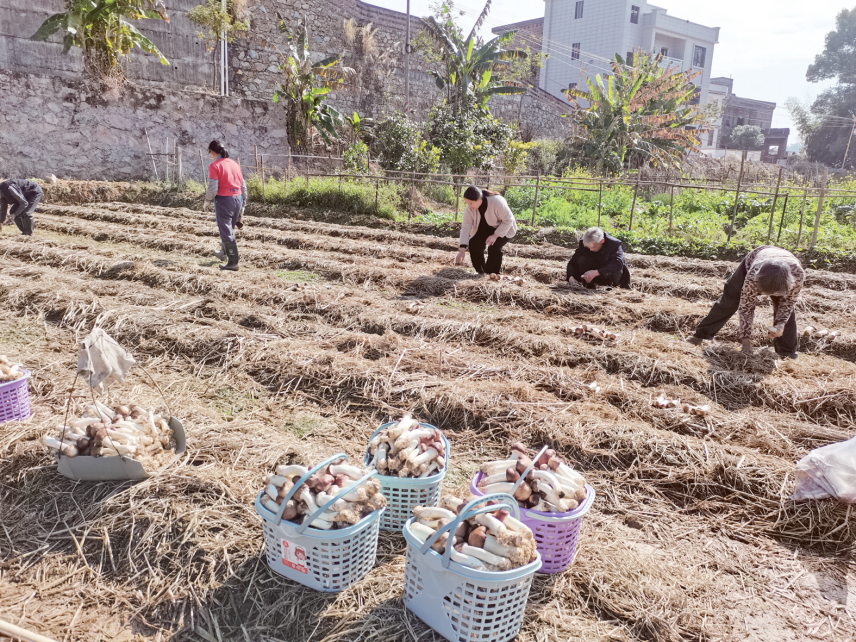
(556, 534)
(15, 399)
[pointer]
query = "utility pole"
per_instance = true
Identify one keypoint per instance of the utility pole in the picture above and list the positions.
(224, 57)
(852, 131)
(407, 62)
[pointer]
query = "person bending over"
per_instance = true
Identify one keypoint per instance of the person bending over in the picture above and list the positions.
(766, 270)
(228, 189)
(23, 196)
(487, 223)
(599, 260)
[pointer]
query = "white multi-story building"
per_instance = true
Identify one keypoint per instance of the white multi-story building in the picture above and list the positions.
(583, 36)
(717, 96)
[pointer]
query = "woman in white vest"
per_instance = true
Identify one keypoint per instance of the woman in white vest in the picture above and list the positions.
(487, 223)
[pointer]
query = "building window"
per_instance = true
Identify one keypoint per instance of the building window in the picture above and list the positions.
(578, 11)
(664, 51)
(710, 136)
(575, 51)
(773, 150)
(634, 14)
(629, 58)
(699, 55)
(572, 86)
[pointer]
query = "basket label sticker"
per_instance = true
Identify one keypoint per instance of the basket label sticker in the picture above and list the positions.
(294, 556)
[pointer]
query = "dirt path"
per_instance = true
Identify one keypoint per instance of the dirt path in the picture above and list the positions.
(692, 536)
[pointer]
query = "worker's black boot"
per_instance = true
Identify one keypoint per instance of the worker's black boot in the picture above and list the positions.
(232, 253)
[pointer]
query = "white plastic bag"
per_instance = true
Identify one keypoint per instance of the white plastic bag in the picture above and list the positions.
(829, 471)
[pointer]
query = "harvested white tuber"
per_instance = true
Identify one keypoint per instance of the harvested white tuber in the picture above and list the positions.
(122, 430)
(549, 486)
(9, 371)
(488, 541)
(405, 449)
(360, 500)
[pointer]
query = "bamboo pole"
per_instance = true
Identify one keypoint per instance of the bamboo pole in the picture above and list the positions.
(202, 164)
(288, 167)
(736, 197)
(599, 201)
(819, 207)
(17, 633)
(535, 202)
(376, 190)
(151, 154)
(264, 191)
(773, 208)
(782, 220)
(635, 194)
(457, 201)
(166, 160)
(180, 177)
(802, 218)
(671, 210)
(256, 150)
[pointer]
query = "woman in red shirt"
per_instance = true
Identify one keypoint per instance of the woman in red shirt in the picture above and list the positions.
(228, 190)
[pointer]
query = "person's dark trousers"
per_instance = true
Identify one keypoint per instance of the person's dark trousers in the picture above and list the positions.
(493, 265)
(228, 210)
(24, 219)
(729, 302)
(608, 279)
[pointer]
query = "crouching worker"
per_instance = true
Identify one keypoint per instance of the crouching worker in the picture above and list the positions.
(23, 196)
(765, 270)
(228, 190)
(599, 260)
(487, 223)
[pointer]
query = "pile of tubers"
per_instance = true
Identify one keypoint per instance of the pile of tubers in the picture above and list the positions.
(516, 280)
(663, 402)
(550, 487)
(487, 542)
(360, 501)
(407, 450)
(108, 432)
(592, 331)
(9, 371)
(811, 331)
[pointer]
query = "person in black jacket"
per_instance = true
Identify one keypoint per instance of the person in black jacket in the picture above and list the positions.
(23, 196)
(599, 260)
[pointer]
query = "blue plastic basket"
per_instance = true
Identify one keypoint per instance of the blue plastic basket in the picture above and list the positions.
(327, 561)
(464, 604)
(404, 493)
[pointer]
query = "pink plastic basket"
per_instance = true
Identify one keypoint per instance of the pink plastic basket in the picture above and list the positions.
(15, 399)
(556, 534)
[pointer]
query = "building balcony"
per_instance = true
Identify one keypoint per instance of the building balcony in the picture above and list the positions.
(663, 23)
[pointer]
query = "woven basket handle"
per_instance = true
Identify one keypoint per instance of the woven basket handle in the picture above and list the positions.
(300, 481)
(309, 518)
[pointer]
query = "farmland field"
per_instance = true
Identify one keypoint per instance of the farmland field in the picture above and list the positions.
(329, 330)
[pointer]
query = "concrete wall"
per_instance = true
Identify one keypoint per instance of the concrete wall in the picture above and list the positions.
(50, 124)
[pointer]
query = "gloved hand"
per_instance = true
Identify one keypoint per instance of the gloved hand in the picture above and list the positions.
(240, 222)
(206, 205)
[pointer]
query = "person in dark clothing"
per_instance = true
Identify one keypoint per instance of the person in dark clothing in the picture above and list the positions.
(23, 196)
(487, 223)
(766, 271)
(599, 260)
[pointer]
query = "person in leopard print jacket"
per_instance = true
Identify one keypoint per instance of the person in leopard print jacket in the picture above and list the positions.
(766, 270)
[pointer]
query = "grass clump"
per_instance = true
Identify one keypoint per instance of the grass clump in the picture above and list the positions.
(358, 197)
(298, 276)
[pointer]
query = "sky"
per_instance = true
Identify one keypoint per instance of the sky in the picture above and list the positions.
(764, 45)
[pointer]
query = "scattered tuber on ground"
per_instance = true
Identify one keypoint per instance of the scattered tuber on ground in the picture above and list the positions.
(9, 371)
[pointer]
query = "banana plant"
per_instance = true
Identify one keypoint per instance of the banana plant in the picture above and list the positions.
(470, 65)
(304, 90)
(102, 29)
(641, 113)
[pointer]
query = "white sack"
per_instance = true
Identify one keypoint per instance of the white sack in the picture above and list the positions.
(101, 360)
(829, 471)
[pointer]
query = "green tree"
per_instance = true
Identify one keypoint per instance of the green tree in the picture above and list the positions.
(217, 21)
(470, 68)
(398, 144)
(825, 125)
(102, 29)
(304, 91)
(640, 114)
(746, 137)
